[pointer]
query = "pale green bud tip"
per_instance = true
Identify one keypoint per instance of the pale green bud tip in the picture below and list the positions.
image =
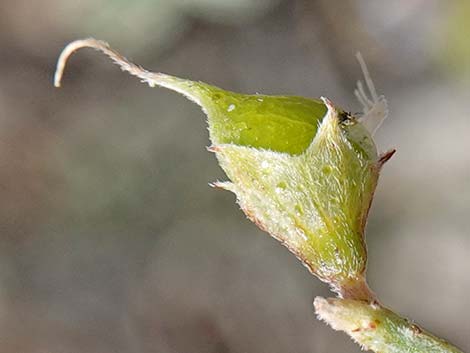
(377, 328)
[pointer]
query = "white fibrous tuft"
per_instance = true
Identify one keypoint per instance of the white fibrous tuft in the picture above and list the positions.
(374, 106)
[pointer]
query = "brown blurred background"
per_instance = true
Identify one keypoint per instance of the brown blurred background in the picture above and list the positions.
(111, 239)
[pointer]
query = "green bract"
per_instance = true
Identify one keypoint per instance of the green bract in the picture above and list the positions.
(276, 123)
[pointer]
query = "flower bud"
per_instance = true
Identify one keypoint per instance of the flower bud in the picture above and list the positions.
(302, 170)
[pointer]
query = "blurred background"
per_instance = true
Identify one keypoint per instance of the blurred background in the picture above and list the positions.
(111, 239)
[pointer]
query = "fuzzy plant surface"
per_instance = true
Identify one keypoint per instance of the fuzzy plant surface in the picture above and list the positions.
(304, 171)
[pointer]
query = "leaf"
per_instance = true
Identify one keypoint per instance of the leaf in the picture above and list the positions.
(278, 123)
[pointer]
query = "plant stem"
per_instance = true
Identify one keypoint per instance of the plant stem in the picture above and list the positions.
(377, 328)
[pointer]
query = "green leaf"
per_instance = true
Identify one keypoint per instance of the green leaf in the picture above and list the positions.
(377, 328)
(278, 123)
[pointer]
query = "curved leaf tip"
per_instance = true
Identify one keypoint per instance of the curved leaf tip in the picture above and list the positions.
(279, 123)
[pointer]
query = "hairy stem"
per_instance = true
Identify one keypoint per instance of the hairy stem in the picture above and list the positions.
(377, 328)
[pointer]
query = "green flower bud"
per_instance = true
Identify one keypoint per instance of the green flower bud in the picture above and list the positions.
(302, 170)
(315, 203)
